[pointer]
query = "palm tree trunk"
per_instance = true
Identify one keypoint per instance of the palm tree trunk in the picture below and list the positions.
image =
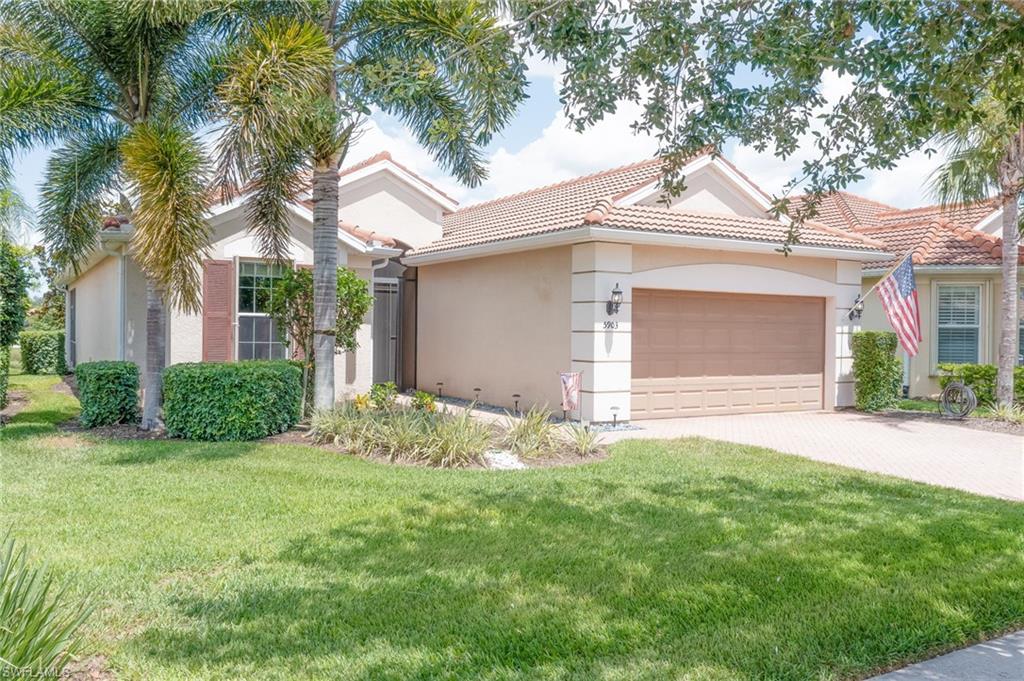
(325, 279)
(156, 356)
(1008, 322)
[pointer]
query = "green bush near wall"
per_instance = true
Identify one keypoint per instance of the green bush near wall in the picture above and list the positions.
(877, 372)
(231, 401)
(5, 374)
(982, 380)
(42, 352)
(109, 393)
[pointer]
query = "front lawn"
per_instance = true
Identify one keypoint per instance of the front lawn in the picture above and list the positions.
(689, 560)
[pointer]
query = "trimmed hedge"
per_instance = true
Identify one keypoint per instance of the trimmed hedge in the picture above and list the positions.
(877, 372)
(42, 352)
(231, 401)
(109, 393)
(5, 371)
(982, 380)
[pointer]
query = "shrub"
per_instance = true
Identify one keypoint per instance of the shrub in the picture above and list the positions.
(42, 352)
(424, 401)
(1011, 413)
(582, 441)
(109, 393)
(532, 435)
(232, 401)
(384, 396)
(435, 438)
(982, 380)
(457, 440)
(5, 373)
(40, 626)
(877, 372)
(14, 282)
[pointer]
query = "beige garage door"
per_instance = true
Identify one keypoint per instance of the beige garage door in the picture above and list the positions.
(723, 353)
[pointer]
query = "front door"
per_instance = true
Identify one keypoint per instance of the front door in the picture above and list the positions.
(385, 331)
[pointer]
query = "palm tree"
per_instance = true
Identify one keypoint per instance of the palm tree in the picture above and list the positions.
(987, 158)
(124, 88)
(16, 216)
(448, 70)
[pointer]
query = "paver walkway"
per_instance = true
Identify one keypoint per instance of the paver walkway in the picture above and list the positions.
(923, 450)
(999, 660)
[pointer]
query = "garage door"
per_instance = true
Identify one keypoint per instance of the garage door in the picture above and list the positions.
(722, 353)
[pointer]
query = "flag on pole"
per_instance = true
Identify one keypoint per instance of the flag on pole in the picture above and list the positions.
(898, 293)
(571, 383)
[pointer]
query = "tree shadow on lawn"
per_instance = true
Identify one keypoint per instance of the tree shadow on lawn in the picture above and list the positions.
(585, 577)
(146, 452)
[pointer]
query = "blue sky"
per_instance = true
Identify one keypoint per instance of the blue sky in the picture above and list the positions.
(538, 148)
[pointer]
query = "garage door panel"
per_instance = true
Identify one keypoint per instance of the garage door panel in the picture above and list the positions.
(705, 353)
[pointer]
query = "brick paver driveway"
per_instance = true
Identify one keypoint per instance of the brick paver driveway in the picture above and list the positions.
(916, 449)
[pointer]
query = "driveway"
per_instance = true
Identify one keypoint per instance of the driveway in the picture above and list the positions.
(926, 451)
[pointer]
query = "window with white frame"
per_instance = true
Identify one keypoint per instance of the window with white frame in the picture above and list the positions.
(257, 332)
(959, 324)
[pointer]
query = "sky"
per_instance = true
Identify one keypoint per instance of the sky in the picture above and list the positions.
(538, 147)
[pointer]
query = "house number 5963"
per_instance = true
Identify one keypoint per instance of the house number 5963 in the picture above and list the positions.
(611, 325)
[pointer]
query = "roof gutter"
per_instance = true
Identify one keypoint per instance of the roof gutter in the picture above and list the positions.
(943, 269)
(590, 233)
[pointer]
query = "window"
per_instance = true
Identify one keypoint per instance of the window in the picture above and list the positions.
(959, 324)
(257, 333)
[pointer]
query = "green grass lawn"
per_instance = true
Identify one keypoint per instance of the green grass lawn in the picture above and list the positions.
(685, 560)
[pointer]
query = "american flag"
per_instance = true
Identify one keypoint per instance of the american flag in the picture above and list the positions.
(898, 292)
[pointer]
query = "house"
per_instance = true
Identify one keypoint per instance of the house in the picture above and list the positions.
(713, 318)
(957, 257)
(386, 210)
(666, 309)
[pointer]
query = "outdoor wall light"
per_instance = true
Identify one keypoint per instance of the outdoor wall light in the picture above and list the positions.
(615, 302)
(857, 310)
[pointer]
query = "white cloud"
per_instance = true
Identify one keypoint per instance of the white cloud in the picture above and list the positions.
(904, 186)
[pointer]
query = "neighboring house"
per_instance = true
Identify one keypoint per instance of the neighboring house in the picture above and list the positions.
(106, 300)
(713, 319)
(957, 264)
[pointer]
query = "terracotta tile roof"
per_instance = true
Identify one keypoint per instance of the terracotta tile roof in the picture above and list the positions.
(386, 156)
(844, 210)
(938, 242)
(967, 216)
(539, 211)
(659, 219)
(591, 200)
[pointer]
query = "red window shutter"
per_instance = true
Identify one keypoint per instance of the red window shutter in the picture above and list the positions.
(218, 310)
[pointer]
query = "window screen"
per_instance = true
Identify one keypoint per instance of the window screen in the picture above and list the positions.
(959, 324)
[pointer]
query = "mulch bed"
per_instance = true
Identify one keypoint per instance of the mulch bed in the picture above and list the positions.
(974, 422)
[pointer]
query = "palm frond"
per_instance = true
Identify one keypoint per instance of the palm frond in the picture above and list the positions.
(168, 171)
(78, 176)
(275, 113)
(16, 216)
(970, 172)
(450, 71)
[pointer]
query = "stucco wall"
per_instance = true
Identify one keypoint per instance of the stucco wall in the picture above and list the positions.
(380, 203)
(97, 314)
(135, 315)
(500, 323)
(709, 191)
(922, 374)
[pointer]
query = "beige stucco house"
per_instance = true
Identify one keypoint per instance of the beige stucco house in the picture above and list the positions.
(713, 317)
(493, 300)
(106, 300)
(957, 266)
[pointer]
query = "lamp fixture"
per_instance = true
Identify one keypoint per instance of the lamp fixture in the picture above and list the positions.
(615, 302)
(857, 310)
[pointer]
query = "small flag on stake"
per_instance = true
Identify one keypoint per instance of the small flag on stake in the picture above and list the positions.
(571, 383)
